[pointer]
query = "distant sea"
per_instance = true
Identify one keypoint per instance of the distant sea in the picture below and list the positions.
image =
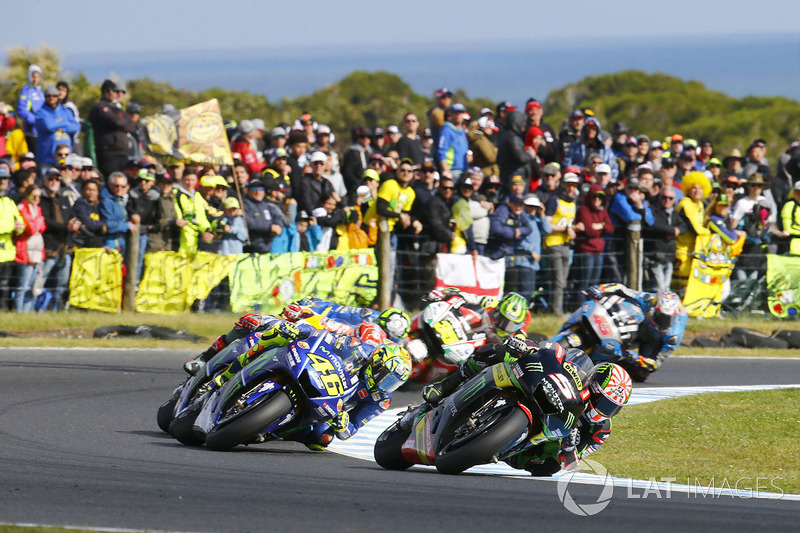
(760, 65)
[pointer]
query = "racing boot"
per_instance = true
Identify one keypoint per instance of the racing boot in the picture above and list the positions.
(276, 336)
(435, 392)
(193, 366)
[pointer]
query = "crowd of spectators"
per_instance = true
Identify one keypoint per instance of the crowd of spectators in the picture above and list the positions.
(564, 208)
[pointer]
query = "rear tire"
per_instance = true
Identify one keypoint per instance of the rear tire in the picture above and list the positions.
(243, 428)
(182, 427)
(484, 444)
(165, 412)
(387, 450)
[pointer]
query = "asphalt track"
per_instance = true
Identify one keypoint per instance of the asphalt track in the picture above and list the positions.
(79, 446)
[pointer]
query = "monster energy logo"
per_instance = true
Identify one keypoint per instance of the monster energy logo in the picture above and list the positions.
(570, 419)
(473, 389)
(534, 367)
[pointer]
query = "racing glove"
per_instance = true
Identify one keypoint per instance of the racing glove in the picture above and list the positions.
(341, 425)
(296, 312)
(568, 458)
(251, 322)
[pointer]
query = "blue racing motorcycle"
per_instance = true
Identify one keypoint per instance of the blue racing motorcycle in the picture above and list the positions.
(284, 390)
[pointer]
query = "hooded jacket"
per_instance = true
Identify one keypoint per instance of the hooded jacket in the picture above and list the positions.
(579, 150)
(511, 155)
(590, 240)
(54, 126)
(31, 98)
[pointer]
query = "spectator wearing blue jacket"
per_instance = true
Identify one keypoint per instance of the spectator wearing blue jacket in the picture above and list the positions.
(31, 98)
(578, 153)
(451, 152)
(55, 125)
(235, 235)
(114, 211)
(508, 228)
(628, 211)
(529, 252)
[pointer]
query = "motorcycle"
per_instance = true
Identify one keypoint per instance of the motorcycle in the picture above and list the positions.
(176, 416)
(505, 409)
(282, 391)
(443, 335)
(611, 322)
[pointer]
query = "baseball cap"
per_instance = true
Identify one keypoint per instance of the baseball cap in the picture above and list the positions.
(714, 161)
(485, 111)
(259, 124)
(372, 174)
(4, 173)
(487, 122)
(51, 90)
(256, 184)
(52, 170)
(86, 162)
(531, 103)
(230, 203)
(551, 169)
(466, 182)
(516, 199)
(457, 108)
(444, 91)
(28, 156)
(687, 155)
(378, 132)
(603, 168)
(642, 138)
(108, 85)
(277, 153)
(495, 180)
(506, 106)
(318, 156)
(571, 177)
(532, 200)
(677, 137)
(323, 129)
(278, 132)
(208, 181)
(576, 113)
(147, 175)
(631, 141)
(517, 179)
(74, 161)
(221, 182)
(393, 129)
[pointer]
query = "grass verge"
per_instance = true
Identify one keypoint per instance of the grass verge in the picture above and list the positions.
(705, 439)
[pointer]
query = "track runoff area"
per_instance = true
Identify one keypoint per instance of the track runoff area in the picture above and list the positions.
(361, 446)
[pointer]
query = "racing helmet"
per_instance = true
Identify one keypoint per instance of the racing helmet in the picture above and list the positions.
(395, 323)
(665, 310)
(609, 389)
(388, 369)
(510, 314)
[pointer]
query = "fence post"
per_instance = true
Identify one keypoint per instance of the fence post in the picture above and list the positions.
(385, 274)
(131, 271)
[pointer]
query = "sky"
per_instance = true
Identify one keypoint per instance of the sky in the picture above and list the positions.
(82, 26)
(499, 49)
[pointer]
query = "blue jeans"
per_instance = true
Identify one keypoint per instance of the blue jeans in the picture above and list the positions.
(56, 271)
(590, 267)
(26, 275)
(662, 273)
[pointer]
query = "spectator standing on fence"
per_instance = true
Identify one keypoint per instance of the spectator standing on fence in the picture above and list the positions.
(590, 142)
(509, 227)
(696, 187)
(31, 98)
(61, 225)
(451, 149)
(30, 248)
(87, 211)
(529, 253)
(354, 161)
(409, 146)
(164, 235)
(111, 126)
(235, 235)
(190, 213)
(114, 211)
(560, 211)
(592, 224)
(11, 225)
(659, 241)
(143, 208)
(55, 126)
(512, 156)
(628, 212)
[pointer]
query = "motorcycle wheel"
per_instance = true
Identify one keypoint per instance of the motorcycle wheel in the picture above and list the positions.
(165, 412)
(387, 449)
(249, 424)
(182, 427)
(482, 442)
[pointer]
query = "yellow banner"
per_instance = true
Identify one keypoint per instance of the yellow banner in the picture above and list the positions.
(783, 286)
(267, 283)
(96, 280)
(173, 281)
(711, 267)
(192, 135)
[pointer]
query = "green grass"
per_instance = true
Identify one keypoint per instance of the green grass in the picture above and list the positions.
(716, 436)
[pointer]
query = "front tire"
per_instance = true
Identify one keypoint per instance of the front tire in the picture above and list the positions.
(249, 424)
(165, 412)
(480, 448)
(182, 427)
(387, 449)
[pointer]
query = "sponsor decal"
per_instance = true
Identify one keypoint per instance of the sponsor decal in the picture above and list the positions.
(304, 345)
(362, 393)
(570, 369)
